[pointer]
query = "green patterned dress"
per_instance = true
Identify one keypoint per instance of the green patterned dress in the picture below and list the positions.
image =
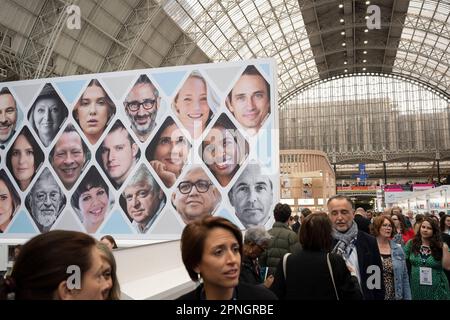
(439, 290)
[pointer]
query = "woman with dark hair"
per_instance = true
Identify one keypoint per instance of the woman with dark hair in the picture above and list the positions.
(313, 273)
(419, 218)
(428, 257)
(395, 271)
(168, 152)
(9, 201)
(47, 114)
(109, 242)
(404, 234)
(211, 249)
(47, 264)
(445, 224)
(109, 271)
(93, 111)
(24, 158)
(91, 199)
(223, 150)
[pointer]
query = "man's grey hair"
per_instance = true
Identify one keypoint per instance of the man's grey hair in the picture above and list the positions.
(258, 235)
(143, 79)
(143, 176)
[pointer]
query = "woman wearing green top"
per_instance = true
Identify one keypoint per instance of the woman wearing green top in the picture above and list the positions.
(428, 256)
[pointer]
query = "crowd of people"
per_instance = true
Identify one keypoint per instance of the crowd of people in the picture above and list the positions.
(344, 254)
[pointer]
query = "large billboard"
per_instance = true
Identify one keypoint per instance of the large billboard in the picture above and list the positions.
(139, 154)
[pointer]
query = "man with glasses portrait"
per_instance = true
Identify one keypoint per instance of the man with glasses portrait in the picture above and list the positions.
(142, 200)
(141, 106)
(196, 196)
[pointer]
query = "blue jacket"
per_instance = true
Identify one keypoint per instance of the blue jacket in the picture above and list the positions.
(401, 277)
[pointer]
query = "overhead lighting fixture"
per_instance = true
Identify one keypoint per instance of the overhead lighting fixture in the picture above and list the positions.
(367, 2)
(366, 30)
(365, 52)
(364, 69)
(365, 41)
(364, 61)
(345, 62)
(366, 17)
(341, 6)
(341, 20)
(345, 70)
(343, 44)
(343, 33)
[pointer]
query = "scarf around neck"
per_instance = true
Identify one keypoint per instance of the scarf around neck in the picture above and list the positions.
(346, 241)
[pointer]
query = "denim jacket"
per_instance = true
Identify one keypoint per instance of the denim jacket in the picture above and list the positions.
(401, 277)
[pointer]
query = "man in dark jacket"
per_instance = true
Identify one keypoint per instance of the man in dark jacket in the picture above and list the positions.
(283, 241)
(362, 222)
(296, 226)
(359, 249)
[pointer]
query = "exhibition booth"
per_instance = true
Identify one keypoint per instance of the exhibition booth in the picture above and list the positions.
(431, 200)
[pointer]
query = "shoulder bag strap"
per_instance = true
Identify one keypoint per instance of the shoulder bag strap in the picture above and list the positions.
(284, 264)
(332, 277)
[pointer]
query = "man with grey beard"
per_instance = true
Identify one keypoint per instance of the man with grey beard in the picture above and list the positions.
(45, 201)
(141, 106)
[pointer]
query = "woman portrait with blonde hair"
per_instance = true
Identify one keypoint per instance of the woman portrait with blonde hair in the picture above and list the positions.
(194, 104)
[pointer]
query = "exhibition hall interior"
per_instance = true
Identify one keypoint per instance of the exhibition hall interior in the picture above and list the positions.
(205, 149)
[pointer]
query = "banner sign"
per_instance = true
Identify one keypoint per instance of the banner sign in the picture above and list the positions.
(422, 186)
(139, 154)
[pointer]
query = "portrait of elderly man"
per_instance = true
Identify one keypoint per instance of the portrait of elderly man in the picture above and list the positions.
(45, 201)
(252, 196)
(141, 106)
(8, 116)
(69, 156)
(142, 200)
(118, 154)
(249, 100)
(196, 196)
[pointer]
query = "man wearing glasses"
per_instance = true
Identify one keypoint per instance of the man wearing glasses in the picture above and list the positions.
(141, 106)
(45, 201)
(195, 197)
(142, 200)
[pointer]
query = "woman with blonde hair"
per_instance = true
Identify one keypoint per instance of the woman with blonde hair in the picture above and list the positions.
(194, 104)
(109, 271)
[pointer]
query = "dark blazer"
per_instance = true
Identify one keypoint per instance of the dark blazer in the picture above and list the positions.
(248, 272)
(295, 227)
(362, 223)
(368, 255)
(244, 291)
(308, 278)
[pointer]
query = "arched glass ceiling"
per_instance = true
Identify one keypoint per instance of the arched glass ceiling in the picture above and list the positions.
(424, 45)
(231, 30)
(368, 117)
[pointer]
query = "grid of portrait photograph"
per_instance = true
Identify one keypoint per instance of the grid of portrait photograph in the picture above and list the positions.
(139, 154)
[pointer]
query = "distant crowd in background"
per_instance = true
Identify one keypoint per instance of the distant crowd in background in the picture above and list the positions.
(342, 254)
